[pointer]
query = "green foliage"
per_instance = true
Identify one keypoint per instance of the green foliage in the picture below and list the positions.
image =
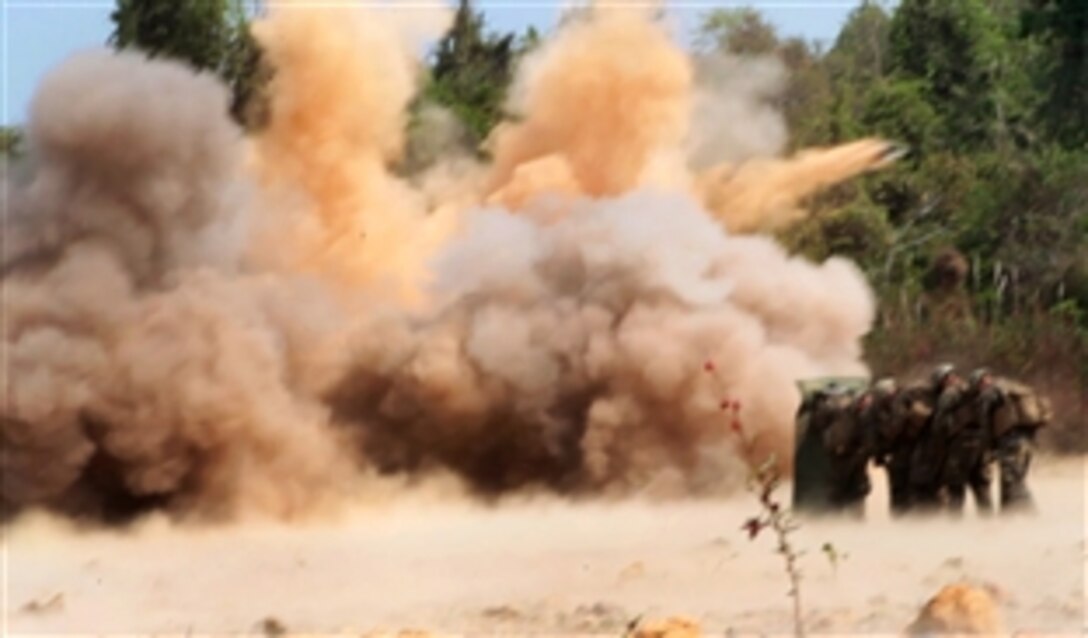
(860, 231)
(860, 53)
(208, 35)
(807, 100)
(472, 70)
(248, 74)
(855, 65)
(11, 140)
(898, 110)
(957, 49)
(741, 31)
(1061, 28)
(195, 31)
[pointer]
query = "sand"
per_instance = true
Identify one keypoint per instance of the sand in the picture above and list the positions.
(545, 567)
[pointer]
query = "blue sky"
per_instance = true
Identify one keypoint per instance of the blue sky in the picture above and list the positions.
(38, 34)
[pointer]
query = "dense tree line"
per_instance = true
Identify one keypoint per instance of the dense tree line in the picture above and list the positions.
(991, 97)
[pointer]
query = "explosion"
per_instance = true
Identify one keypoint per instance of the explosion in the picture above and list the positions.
(220, 326)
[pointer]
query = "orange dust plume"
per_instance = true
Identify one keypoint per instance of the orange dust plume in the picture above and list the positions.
(762, 194)
(343, 80)
(613, 104)
(604, 97)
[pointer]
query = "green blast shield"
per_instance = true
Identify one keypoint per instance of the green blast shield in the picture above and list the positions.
(811, 463)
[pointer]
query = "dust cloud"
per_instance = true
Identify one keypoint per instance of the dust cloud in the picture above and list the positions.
(220, 327)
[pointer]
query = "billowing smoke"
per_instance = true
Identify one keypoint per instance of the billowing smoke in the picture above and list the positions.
(221, 326)
(339, 101)
(573, 353)
(731, 89)
(606, 97)
(765, 193)
(143, 364)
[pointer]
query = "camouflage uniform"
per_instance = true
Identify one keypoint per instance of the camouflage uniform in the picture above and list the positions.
(961, 426)
(931, 446)
(886, 432)
(911, 410)
(849, 448)
(1014, 458)
(1014, 429)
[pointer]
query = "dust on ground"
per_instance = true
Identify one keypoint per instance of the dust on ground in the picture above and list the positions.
(451, 566)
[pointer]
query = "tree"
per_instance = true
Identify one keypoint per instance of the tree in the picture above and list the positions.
(1061, 27)
(855, 65)
(472, 71)
(11, 140)
(737, 31)
(860, 52)
(807, 99)
(898, 110)
(247, 72)
(209, 35)
(196, 31)
(859, 230)
(956, 48)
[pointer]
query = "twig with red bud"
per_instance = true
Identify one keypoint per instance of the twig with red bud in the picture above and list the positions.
(763, 480)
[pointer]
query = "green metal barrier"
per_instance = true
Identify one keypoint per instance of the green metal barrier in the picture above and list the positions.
(811, 464)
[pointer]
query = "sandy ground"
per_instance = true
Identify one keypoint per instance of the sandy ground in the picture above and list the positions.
(546, 567)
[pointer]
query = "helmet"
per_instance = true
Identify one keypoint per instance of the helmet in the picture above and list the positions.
(885, 386)
(978, 375)
(942, 372)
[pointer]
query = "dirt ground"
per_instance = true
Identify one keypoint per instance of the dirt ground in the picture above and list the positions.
(545, 567)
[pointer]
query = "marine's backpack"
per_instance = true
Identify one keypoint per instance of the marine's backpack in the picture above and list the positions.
(1022, 407)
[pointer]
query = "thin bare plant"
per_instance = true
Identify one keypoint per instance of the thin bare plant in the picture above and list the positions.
(764, 478)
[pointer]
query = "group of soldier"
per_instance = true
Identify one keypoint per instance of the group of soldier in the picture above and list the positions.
(936, 440)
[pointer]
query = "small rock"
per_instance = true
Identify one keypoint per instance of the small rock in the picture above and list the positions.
(502, 612)
(599, 616)
(821, 624)
(52, 604)
(272, 627)
(632, 572)
(674, 627)
(956, 562)
(958, 609)
(999, 593)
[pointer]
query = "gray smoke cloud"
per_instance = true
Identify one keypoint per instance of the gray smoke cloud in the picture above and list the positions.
(734, 117)
(573, 353)
(143, 365)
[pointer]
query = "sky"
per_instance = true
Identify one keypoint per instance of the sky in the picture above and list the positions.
(35, 35)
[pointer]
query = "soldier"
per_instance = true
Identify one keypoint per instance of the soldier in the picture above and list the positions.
(930, 446)
(887, 433)
(911, 410)
(810, 489)
(1014, 413)
(959, 423)
(849, 447)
